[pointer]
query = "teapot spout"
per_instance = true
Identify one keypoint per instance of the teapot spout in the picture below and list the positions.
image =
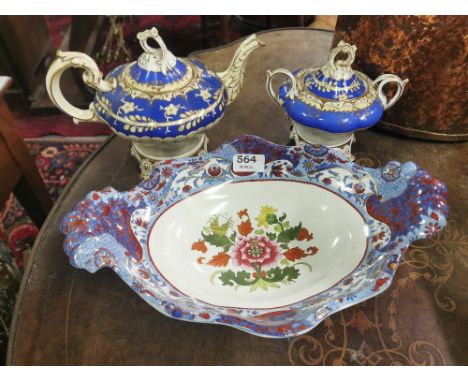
(233, 77)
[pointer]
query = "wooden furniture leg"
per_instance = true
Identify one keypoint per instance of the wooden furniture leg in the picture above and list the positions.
(28, 185)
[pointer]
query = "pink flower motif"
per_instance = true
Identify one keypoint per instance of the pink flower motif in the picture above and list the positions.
(255, 251)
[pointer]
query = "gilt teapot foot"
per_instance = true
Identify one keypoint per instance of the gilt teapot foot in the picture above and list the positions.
(149, 154)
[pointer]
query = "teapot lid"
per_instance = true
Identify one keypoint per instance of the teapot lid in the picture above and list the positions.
(336, 80)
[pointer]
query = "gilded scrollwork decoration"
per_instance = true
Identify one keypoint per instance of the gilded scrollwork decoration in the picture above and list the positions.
(365, 335)
(349, 105)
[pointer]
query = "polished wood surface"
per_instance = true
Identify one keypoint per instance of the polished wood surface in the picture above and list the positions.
(66, 316)
(18, 172)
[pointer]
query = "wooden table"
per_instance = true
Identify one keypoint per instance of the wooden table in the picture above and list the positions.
(68, 316)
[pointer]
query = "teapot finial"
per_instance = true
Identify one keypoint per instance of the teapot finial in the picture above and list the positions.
(154, 59)
(340, 69)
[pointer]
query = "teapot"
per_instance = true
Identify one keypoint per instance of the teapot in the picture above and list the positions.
(162, 103)
(328, 104)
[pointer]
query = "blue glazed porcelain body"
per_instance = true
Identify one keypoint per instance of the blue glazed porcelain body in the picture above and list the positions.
(329, 103)
(201, 242)
(326, 109)
(153, 105)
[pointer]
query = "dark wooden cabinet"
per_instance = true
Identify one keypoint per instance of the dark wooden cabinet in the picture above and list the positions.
(25, 48)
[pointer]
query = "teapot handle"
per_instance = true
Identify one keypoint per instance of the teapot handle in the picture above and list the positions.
(291, 94)
(91, 76)
(385, 79)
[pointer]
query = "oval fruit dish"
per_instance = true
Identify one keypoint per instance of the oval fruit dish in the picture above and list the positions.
(272, 252)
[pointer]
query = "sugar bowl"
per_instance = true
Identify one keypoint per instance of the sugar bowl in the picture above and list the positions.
(328, 104)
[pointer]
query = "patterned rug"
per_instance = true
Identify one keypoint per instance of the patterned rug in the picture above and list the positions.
(57, 160)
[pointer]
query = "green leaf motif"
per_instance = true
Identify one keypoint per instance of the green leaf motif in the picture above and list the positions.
(227, 277)
(271, 219)
(240, 278)
(275, 274)
(269, 279)
(278, 274)
(291, 273)
(289, 234)
(271, 236)
(218, 228)
(218, 241)
(282, 217)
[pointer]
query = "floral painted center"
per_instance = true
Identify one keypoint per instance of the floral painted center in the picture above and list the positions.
(255, 251)
(269, 254)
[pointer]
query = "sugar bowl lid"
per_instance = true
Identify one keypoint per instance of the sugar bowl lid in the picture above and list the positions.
(336, 80)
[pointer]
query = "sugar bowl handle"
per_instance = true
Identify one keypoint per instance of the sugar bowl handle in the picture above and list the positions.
(292, 93)
(91, 76)
(384, 79)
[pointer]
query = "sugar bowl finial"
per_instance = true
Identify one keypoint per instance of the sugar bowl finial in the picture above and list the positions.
(340, 69)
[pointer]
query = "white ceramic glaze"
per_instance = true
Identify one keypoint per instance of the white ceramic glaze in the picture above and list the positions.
(321, 137)
(339, 232)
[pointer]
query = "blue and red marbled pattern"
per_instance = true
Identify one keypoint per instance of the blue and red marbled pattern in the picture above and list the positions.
(399, 202)
(404, 212)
